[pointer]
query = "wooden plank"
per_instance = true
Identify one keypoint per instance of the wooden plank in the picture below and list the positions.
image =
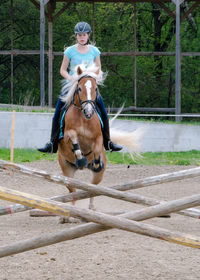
(61, 11)
(169, 12)
(133, 1)
(106, 221)
(142, 109)
(37, 5)
(130, 53)
(121, 1)
(189, 11)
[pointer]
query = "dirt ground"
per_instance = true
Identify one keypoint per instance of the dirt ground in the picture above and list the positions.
(112, 254)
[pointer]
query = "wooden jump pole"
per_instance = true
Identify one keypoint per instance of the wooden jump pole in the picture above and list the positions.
(81, 195)
(115, 193)
(106, 222)
(111, 191)
(15, 208)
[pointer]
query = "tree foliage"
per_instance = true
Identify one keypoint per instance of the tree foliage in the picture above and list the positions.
(114, 31)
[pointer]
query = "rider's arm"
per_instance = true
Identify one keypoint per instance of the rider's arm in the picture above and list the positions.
(98, 64)
(63, 68)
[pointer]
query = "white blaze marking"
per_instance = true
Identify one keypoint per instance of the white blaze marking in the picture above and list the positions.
(88, 86)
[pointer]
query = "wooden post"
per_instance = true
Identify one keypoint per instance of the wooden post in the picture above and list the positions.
(12, 137)
(93, 23)
(50, 7)
(42, 40)
(106, 222)
(12, 59)
(178, 60)
(50, 69)
(135, 58)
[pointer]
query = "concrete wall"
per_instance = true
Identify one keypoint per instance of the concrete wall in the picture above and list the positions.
(32, 130)
(165, 137)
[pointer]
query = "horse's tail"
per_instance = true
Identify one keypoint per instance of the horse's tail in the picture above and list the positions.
(129, 140)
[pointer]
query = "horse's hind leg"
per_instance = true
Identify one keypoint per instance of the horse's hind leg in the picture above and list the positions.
(97, 178)
(98, 166)
(98, 163)
(68, 170)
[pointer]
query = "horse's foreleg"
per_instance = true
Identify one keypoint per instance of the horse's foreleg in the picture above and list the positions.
(80, 159)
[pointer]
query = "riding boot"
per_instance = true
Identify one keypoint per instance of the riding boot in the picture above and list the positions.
(108, 144)
(52, 146)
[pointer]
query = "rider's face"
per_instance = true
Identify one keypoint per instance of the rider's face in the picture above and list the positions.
(82, 38)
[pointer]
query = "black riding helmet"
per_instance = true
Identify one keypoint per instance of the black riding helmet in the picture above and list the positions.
(82, 27)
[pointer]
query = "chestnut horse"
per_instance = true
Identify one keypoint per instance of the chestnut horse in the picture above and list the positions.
(82, 144)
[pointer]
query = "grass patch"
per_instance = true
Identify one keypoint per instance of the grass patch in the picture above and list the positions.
(166, 158)
(159, 158)
(26, 155)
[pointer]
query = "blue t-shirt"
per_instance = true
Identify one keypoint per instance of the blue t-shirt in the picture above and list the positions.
(77, 58)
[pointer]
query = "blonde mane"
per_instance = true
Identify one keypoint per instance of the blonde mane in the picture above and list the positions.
(69, 88)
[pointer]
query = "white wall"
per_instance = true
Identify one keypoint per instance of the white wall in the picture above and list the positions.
(165, 137)
(32, 130)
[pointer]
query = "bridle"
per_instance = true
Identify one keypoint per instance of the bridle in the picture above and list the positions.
(84, 102)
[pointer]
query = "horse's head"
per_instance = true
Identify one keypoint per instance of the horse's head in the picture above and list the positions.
(86, 94)
(70, 88)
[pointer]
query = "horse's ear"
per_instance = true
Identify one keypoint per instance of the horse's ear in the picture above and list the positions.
(79, 71)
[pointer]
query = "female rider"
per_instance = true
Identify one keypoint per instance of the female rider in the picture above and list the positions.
(79, 53)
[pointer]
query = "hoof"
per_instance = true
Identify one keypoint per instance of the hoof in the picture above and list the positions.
(91, 207)
(98, 169)
(81, 163)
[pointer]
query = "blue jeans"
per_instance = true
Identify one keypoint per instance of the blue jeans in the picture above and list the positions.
(102, 108)
(99, 102)
(59, 106)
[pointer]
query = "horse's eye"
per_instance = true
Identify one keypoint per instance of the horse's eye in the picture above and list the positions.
(79, 89)
(96, 89)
